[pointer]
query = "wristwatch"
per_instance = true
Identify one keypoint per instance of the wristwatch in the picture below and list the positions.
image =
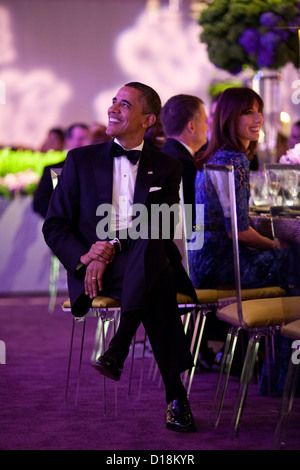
(116, 244)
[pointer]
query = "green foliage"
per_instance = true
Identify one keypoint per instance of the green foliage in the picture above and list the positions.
(20, 170)
(234, 31)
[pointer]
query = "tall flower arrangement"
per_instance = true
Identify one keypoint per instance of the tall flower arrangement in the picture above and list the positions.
(258, 34)
(292, 156)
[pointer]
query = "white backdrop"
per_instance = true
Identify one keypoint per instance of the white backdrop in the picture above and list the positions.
(63, 61)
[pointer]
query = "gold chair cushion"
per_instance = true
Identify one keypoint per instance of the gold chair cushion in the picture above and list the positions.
(98, 302)
(207, 296)
(263, 312)
(107, 302)
(292, 329)
(185, 299)
(213, 295)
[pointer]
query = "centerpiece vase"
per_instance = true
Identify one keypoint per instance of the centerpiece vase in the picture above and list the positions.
(267, 84)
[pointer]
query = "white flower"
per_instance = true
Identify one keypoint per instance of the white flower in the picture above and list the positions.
(292, 156)
(18, 181)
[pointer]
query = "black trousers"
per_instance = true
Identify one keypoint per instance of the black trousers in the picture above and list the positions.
(163, 325)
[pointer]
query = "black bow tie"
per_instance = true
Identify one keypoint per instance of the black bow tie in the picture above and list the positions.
(118, 151)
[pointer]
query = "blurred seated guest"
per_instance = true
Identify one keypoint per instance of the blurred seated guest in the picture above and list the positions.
(201, 151)
(55, 140)
(295, 135)
(184, 122)
(98, 134)
(236, 126)
(155, 136)
(76, 135)
(282, 145)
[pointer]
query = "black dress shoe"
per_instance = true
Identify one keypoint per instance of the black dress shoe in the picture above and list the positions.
(179, 416)
(108, 367)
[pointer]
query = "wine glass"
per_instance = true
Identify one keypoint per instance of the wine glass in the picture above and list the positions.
(275, 185)
(258, 189)
(290, 188)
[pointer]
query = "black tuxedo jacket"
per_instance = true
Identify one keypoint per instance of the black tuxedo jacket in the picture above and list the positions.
(177, 150)
(43, 193)
(70, 227)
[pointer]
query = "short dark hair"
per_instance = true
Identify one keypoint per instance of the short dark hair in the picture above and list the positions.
(69, 131)
(59, 132)
(151, 99)
(177, 112)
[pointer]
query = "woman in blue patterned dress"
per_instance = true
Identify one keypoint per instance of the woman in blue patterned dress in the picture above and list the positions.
(237, 122)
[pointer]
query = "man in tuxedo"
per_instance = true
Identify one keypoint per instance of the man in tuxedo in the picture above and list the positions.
(76, 135)
(184, 122)
(91, 227)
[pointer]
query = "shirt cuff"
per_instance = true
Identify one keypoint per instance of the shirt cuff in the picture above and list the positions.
(117, 244)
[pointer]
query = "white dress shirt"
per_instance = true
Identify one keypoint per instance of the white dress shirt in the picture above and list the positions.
(124, 177)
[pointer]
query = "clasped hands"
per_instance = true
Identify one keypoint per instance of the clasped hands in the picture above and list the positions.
(96, 259)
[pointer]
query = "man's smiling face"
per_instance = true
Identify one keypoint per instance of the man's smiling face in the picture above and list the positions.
(126, 118)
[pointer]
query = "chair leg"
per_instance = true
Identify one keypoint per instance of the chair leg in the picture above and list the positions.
(98, 347)
(291, 382)
(152, 369)
(80, 360)
(54, 274)
(245, 379)
(104, 378)
(107, 319)
(131, 364)
(70, 359)
(193, 341)
(223, 378)
(197, 352)
(142, 366)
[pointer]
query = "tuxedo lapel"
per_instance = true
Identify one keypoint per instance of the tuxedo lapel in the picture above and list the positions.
(144, 178)
(103, 172)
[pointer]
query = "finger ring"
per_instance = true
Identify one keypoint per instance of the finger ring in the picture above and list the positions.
(94, 278)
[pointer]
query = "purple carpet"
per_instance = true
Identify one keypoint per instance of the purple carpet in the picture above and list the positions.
(34, 415)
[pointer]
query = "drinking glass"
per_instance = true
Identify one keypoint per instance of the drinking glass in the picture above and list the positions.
(258, 189)
(290, 188)
(275, 185)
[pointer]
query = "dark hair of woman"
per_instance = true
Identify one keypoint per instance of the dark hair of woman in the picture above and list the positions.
(233, 102)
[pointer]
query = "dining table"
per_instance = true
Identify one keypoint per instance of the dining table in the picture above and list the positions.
(282, 222)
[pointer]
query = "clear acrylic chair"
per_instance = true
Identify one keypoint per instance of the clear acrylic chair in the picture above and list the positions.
(106, 310)
(55, 266)
(259, 317)
(290, 330)
(188, 308)
(207, 299)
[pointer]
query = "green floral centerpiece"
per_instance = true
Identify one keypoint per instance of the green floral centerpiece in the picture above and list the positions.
(258, 34)
(21, 170)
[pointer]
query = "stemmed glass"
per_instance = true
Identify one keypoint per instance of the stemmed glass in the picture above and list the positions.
(275, 185)
(258, 189)
(290, 188)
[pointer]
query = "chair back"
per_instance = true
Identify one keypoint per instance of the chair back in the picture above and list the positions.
(285, 212)
(221, 205)
(186, 237)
